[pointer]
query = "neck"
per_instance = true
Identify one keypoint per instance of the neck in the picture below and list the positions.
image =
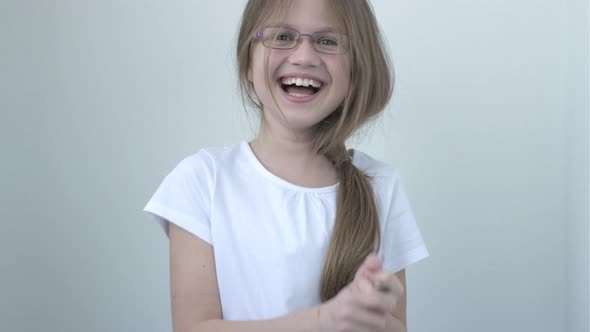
(292, 158)
(283, 147)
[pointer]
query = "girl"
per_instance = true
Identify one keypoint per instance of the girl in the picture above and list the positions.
(291, 231)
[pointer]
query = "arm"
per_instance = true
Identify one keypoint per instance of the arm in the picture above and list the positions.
(396, 322)
(195, 297)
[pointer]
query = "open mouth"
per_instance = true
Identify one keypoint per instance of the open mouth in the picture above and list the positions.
(300, 87)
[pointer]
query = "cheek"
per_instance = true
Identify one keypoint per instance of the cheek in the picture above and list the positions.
(342, 77)
(346, 71)
(261, 65)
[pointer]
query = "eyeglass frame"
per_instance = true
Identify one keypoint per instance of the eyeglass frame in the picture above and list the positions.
(312, 37)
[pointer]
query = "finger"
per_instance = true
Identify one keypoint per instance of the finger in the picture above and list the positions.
(370, 265)
(384, 282)
(389, 301)
(361, 284)
(388, 282)
(365, 286)
(368, 313)
(390, 288)
(373, 301)
(366, 320)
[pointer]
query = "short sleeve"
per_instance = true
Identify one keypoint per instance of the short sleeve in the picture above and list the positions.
(184, 196)
(401, 240)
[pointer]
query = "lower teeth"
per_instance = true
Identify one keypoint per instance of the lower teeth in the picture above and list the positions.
(297, 94)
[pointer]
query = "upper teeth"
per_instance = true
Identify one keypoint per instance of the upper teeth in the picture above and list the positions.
(301, 82)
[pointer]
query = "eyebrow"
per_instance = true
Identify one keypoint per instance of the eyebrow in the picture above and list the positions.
(322, 29)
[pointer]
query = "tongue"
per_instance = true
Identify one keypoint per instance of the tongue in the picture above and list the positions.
(300, 90)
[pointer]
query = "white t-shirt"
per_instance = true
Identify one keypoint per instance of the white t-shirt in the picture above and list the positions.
(270, 236)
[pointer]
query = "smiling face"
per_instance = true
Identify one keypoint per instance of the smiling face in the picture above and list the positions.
(307, 85)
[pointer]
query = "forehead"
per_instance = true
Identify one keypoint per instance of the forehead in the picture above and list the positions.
(309, 15)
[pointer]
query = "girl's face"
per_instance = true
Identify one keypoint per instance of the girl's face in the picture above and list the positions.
(305, 103)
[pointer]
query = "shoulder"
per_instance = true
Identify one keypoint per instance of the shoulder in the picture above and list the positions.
(374, 168)
(200, 170)
(386, 181)
(209, 158)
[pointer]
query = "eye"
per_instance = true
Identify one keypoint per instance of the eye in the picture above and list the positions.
(327, 41)
(284, 36)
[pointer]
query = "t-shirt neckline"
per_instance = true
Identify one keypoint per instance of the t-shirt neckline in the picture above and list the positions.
(245, 146)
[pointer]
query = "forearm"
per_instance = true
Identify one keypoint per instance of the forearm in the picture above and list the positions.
(304, 320)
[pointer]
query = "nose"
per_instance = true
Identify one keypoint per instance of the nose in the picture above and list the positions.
(304, 53)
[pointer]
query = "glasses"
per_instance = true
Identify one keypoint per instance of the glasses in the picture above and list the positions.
(283, 38)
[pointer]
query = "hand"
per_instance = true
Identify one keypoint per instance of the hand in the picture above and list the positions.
(386, 283)
(360, 306)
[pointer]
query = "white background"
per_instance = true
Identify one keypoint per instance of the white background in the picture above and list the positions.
(489, 127)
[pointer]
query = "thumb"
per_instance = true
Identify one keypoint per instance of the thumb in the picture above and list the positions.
(362, 284)
(365, 286)
(371, 265)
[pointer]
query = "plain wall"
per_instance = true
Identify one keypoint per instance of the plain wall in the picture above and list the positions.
(577, 98)
(99, 100)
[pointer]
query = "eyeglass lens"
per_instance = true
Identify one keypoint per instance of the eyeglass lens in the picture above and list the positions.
(287, 38)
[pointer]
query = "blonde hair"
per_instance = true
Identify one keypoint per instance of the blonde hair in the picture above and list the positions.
(356, 231)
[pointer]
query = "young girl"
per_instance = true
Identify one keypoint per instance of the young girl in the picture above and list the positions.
(291, 231)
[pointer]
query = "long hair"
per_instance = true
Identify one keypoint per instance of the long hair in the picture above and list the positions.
(356, 231)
